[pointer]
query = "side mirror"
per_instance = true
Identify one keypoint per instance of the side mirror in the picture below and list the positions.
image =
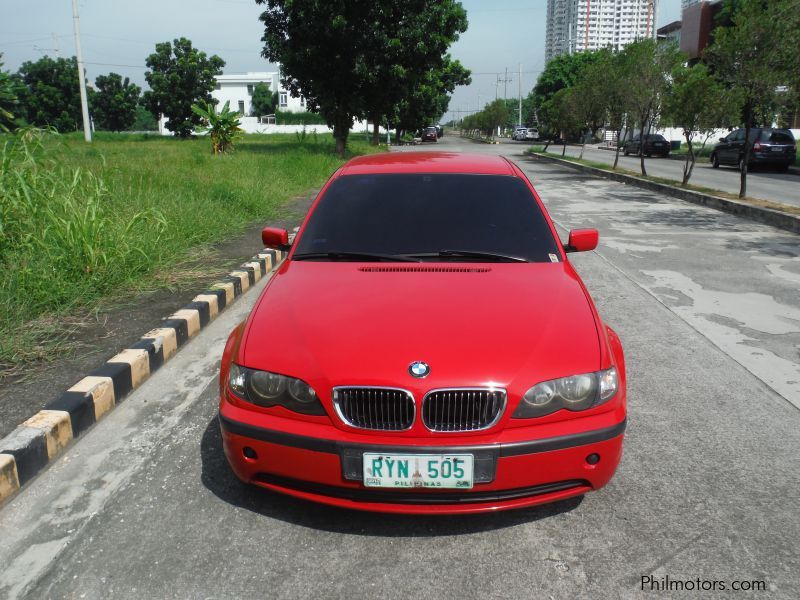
(723, 139)
(582, 240)
(273, 237)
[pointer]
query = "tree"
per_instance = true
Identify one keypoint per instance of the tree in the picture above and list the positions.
(493, 115)
(400, 53)
(589, 95)
(697, 103)
(429, 99)
(747, 57)
(114, 102)
(10, 90)
(652, 62)
(222, 127)
(143, 120)
(560, 116)
(264, 100)
(618, 69)
(561, 72)
(179, 76)
(51, 96)
(336, 53)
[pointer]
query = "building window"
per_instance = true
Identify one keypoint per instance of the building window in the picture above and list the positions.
(283, 100)
(217, 86)
(241, 107)
(249, 89)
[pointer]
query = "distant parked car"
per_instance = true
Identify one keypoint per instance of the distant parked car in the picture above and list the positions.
(439, 131)
(519, 133)
(653, 144)
(768, 146)
(531, 133)
(429, 134)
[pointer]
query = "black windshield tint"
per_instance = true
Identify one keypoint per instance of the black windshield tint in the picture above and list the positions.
(427, 213)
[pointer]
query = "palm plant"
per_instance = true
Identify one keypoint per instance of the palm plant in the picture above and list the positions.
(222, 127)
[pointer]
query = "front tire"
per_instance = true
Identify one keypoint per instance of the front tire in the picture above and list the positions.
(714, 161)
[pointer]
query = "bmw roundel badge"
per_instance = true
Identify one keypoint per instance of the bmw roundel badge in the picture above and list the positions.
(419, 369)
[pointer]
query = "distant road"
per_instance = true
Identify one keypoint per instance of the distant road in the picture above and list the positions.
(763, 184)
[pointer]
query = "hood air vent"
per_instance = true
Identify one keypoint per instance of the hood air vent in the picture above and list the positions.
(424, 269)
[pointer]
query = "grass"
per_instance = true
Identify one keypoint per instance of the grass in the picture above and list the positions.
(81, 222)
(671, 182)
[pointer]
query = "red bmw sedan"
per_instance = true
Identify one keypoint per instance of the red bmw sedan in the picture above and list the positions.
(426, 347)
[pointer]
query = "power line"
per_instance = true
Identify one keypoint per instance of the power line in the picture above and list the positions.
(99, 64)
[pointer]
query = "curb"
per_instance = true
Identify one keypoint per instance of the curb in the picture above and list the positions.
(480, 140)
(35, 443)
(768, 216)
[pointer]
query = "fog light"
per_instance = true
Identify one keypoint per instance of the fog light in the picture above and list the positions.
(593, 459)
(249, 453)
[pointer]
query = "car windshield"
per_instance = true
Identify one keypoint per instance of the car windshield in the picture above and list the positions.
(425, 214)
(656, 138)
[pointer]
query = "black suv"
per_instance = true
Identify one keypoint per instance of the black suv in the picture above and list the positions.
(768, 146)
(429, 134)
(653, 144)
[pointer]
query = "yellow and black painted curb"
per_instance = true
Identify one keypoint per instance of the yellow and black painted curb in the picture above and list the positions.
(28, 449)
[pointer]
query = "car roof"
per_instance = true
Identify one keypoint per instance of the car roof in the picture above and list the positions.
(427, 162)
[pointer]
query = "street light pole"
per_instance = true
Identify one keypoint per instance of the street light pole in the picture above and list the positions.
(519, 122)
(87, 126)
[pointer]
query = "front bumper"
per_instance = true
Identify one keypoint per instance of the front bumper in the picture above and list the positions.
(508, 475)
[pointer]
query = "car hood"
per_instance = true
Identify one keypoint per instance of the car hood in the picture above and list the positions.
(344, 323)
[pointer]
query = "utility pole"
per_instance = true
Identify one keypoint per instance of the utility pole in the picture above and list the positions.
(87, 126)
(519, 122)
(505, 85)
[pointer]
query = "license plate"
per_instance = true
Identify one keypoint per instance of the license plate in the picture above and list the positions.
(774, 149)
(418, 470)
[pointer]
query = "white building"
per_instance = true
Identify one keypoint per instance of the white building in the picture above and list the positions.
(578, 25)
(238, 89)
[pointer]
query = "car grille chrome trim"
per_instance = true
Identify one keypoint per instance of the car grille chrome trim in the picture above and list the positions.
(451, 410)
(375, 408)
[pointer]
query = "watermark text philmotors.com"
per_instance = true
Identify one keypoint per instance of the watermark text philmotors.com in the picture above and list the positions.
(650, 583)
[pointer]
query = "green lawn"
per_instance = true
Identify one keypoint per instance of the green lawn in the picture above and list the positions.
(80, 222)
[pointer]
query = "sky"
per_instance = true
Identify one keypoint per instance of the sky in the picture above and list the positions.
(117, 35)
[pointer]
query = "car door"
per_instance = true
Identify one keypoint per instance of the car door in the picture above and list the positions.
(737, 148)
(728, 153)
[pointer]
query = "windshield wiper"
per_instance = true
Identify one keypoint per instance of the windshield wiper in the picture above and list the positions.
(366, 256)
(471, 254)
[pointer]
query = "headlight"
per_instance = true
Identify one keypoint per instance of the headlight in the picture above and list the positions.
(272, 389)
(576, 392)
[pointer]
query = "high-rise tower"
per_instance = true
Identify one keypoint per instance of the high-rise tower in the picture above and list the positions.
(578, 25)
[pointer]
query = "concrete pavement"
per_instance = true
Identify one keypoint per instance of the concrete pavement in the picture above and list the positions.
(762, 183)
(145, 506)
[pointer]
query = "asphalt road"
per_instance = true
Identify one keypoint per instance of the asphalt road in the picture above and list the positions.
(762, 183)
(707, 308)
